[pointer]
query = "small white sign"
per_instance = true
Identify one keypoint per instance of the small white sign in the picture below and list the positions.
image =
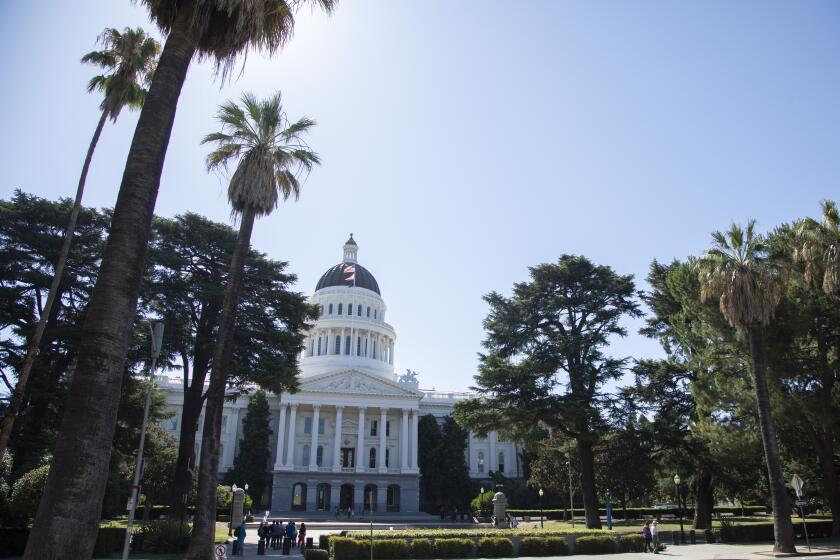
(221, 551)
(801, 503)
(797, 484)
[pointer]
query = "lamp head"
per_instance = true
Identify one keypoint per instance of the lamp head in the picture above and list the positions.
(676, 479)
(541, 492)
(234, 487)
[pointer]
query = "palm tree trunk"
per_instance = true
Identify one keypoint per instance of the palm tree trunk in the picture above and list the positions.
(782, 525)
(12, 410)
(587, 481)
(204, 524)
(68, 515)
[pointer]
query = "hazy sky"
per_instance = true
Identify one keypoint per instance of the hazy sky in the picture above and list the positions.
(464, 141)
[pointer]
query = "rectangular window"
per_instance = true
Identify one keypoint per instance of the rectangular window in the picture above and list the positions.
(387, 457)
(347, 344)
(359, 346)
(373, 426)
(374, 313)
(350, 309)
(321, 424)
(359, 310)
(305, 455)
(319, 456)
(319, 345)
(339, 309)
(330, 308)
(307, 424)
(338, 344)
(368, 311)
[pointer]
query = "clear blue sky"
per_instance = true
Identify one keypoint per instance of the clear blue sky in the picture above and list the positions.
(464, 141)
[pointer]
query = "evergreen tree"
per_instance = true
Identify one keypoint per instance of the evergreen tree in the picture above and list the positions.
(251, 462)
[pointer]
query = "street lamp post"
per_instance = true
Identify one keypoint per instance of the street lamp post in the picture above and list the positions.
(243, 499)
(679, 507)
(541, 509)
(571, 491)
(156, 332)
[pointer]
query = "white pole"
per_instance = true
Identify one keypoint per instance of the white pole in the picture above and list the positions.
(157, 337)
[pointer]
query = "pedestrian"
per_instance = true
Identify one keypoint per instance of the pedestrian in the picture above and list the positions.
(654, 533)
(291, 533)
(240, 537)
(276, 534)
(302, 536)
(648, 538)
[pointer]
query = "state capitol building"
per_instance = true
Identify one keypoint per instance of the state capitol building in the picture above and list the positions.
(348, 437)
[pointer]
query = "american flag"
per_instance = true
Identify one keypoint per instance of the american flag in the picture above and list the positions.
(350, 271)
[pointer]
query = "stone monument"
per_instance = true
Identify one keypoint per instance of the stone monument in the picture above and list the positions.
(499, 508)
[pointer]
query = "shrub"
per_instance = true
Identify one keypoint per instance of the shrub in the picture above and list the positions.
(482, 505)
(109, 540)
(27, 490)
(422, 548)
(631, 543)
(498, 547)
(315, 554)
(163, 536)
(453, 548)
(543, 546)
(391, 549)
(324, 541)
(595, 544)
(342, 548)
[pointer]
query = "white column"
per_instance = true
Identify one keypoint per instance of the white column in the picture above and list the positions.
(494, 458)
(404, 440)
(330, 343)
(313, 450)
(360, 442)
(290, 442)
(415, 419)
(339, 410)
(281, 435)
(383, 444)
(391, 352)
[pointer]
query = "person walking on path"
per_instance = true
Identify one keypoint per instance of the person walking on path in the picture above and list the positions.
(302, 536)
(654, 533)
(648, 537)
(291, 533)
(240, 537)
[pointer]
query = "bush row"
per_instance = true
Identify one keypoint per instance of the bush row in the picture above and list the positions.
(470, 533)
(757, 532)
(637, 513)
(343, 548)
(109, 541)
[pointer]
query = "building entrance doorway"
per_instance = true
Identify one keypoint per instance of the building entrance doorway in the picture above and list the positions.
(346, 499)
(348, 457)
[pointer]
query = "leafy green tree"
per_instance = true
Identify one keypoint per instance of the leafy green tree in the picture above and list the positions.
(129, 60)
(818, 248)
(190, 256)
(270, 155)
(546, 364)
(159, 457)
(428, 442)
(441, 457)
(251, 462)
(736, 270)
(68, 518)
(27, 491)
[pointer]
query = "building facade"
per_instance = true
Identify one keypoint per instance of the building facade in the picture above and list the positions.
(348, 437)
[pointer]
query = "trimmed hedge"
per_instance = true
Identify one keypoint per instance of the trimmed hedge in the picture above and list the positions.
(324, 541)
(343, 548)
(393, 549)
(758, 532)
(637, 513)
(600, 544)
(631, 543)
(543, 546)
(470, 533)
(108, 541)
(315, 554)
(498, 547)
(422, 548)
(453, 548)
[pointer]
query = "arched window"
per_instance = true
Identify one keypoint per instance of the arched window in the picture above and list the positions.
(481, 461)
(358, 345)
(501, 461)
(370, 498)
(338, 344)
(359, 310)
(319, 456)
(349, 308)
(392, 500)
(304, 456)
(339, 309)
(372, 458)
(299, 497)
(374, 313)
(322, 497)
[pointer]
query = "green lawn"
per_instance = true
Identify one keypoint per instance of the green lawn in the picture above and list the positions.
(221, 528)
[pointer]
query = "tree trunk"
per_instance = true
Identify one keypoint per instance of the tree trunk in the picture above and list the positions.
(824, 433)
(204, 524)
(68, 516)
(782, 525)
(11, 412)
(587, 482)
(704, 501)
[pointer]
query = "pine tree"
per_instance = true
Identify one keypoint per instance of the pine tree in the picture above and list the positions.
(251, 462)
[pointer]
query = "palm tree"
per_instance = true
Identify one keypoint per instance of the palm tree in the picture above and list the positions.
(68, 514)
(129, 60)
(270, 155)
(820, 249)
(736, 269)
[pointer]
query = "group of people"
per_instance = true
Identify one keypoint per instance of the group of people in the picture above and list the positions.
(349, 512)
(651, 534)
(274, 533)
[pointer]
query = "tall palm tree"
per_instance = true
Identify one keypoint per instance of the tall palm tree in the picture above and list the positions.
(819, 250)
(129, 59)
(68, 515)
(736, 269)
(270, 155)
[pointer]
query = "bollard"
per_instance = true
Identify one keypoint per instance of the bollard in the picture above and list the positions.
(310, 543)
(692, 537)
(235, 551)
(261, 547)
(675, 538)
(287, 545)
